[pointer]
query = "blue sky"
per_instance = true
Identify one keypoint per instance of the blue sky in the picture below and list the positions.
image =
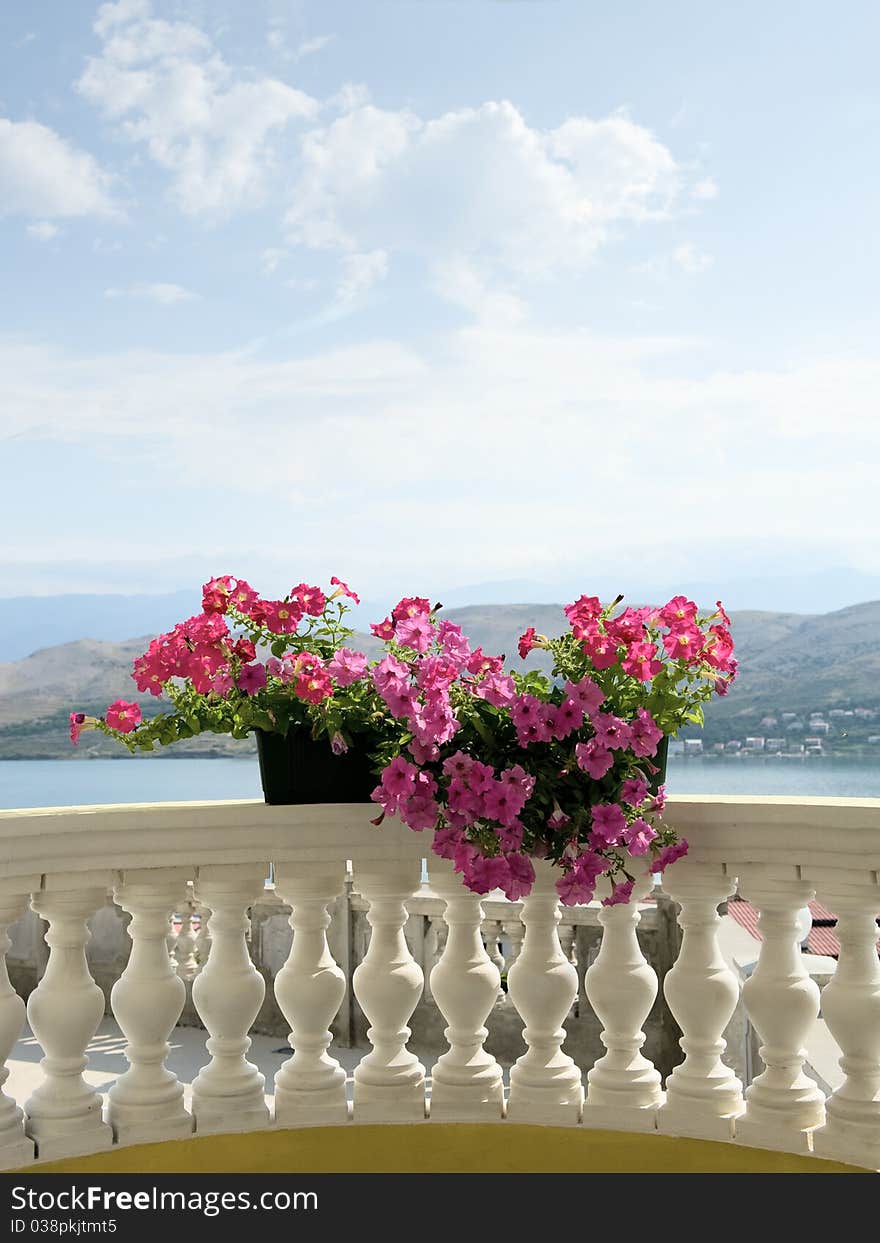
(437, 293)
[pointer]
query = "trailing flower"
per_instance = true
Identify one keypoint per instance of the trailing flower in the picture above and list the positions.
(505, 768)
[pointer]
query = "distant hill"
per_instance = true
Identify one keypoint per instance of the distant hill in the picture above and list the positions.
(788, 661)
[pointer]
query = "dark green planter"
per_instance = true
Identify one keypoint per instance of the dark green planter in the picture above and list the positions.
(296, 768)
(660, 760)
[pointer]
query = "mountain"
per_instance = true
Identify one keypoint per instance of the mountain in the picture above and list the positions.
(28, 623)
(789, 662)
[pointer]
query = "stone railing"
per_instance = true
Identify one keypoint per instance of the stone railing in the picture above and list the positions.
(157, 859)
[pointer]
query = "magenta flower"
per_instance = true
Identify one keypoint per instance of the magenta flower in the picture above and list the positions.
(415, 632)
(521, 877)
(684, 644)
(343, 589)
(634, 792)
(445, 842)
(526, 642)
(609, 823)
(411, 606)
(669, 854)
(216, 594)
(222, 682)
(281, 616)
(338, 745)
(310, 599)
(347, 667)
(611, 732)
(497, 689)
(620, 894)
(593, 758)
(123, 716)
(638, 837)
(640, 661)
(252, 678)
(587, 693)
(77, 720)
(601, 649)
(569, 716)
(483, 875)
(383, 629)
(645, 734)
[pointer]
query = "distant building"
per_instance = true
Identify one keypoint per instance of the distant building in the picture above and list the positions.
(768, 722)
(676, 746)
(775, 744)
(813, 744)
(733, 745)
(874, 738)
(842, 712)
(754, 744)
(866, 714)
(794, 726)
(693, 746)
(789, 716)
(718, 747)
(820, 728)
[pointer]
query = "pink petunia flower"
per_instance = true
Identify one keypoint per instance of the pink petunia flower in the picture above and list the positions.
(252, 678)
(123, 716)
(343, 589)
(620, 894)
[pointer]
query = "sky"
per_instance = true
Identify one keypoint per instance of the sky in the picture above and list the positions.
(429, 295)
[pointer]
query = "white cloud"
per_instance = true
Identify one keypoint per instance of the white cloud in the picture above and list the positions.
(705, 189)
(166, 87)
(43, 230)
(479, 192)
(43, 175)
(157, 291)
(309, 46)
(504, 448)
(691, 258)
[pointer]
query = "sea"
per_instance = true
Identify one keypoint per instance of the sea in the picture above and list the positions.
(148, 779)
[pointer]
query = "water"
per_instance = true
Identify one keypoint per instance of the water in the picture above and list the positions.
(144, 779)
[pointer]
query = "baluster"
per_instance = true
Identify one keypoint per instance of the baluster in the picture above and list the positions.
(466, 1083)
(228, 1093)
(15, 1147)
(310, 1086)
(64, 1011)
(514, 932)
(203, 937)
(545, 1084)
(491, 930)
(782, 1103)
(623, 1089)
(146, 1102)
(703, 1096)
(186, 963)
(851, 1008)
(566, 940)
(389, 1083)
(432, 950)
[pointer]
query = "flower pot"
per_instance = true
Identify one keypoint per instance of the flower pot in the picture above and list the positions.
(296, 768)
(660, 761)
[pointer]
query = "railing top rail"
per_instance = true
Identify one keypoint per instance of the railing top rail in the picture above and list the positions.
(728, 830)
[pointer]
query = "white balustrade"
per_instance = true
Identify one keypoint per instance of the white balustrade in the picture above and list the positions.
(624, 1088)
(203, 937)
(782, 1104)
(146, 1103)
(228, 1094)
(466, 1082)
(851, 1009)
(389, 1083)
(186, 963)
(514, 933)
(15, 1147)
(310, 1086)
(64, 1113)
(545, 1084)
(776, 852)
(703, 1095)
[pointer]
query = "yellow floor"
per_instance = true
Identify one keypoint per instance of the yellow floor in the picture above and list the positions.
(439, 1148)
